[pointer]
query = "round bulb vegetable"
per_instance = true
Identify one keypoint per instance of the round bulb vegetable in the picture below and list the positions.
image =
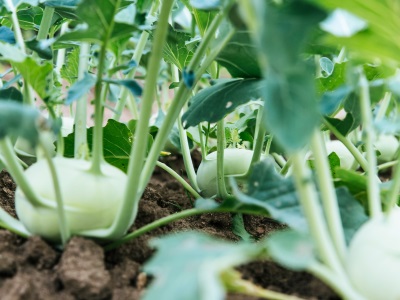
(374, 258)
(387, 145)
(236, 162)
(91, 200)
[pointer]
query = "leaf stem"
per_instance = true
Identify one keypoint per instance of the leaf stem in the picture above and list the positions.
(45, 24)
(62, 219)
(395, 188)
(182, 95)
(98, 155)
(81, 149)
(154, 225)
(369, 135)
(316, 220)
(221, 144)
(17, 29)
(328, 195)
(349, 145)
(338, 284)
(179, 178)
(144, 37)
(128, 211)
(14, 168)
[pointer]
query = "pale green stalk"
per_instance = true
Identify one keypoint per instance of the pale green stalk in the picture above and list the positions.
(60, 60)
(328, 194)
(81, 150)
(202, 142)
(62, 219)
(349, 145)
(182, 95)
(395, 188)
(15, 169)
(16, 28)
(45, 24)
(179, 178)
(316, 220)
(387, 165)
(221, 144)
(98, 156)
(187, 159)
(259, 140)
(144, 37)
(384, 106)
(374, 202)
(340, 285)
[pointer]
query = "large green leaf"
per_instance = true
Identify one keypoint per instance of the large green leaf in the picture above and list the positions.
(214, 103)
(175, 50)
(380, 37)
(291, 112)
(188, 266)
(292, 249)
(17, 119)
(117, 141)
(69, 70)
(239, 56)
(290, 97)
(98, 15)
(35, 74)
(203, 18)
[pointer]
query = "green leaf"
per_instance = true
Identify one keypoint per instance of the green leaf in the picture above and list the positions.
(199, 260)
(203, 18)
(239, 228)
(117, 141)
(17, 119)
(214, 103)
(343, 126)
(12, 94)
(42, 48)
(37, 75)
(352, 213)
(69, 70)
(7, 35)
(335, 80)
(98, 15)
(292, 249)
(80, 88)
(30, 18)
(290, 97)
(291, 112)
(175, 50)
(132, 85)
(239, 56)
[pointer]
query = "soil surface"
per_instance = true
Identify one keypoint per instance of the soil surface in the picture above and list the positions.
(31, 269)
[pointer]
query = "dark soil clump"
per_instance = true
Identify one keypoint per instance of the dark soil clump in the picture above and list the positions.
(31, 269)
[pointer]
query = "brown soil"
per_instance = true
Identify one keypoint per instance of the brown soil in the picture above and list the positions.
(34, 270)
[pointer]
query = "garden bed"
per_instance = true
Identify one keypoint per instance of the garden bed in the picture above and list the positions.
(33, 269)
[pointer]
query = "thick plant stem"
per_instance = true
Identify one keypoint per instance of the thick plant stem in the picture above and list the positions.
(14, 168)
(17, 29)
(62, 219)
(181, 97)
(80, 144)
(340, 285)
(374, 202)
(154, 225)
(144, 37)
(98, 155)
(129, 210)
(328, 195)
(260, 135)
(384, 106)
(45, 24)
(309, 201)
(187, 159)
(395, 190)
(221, 143)
(61, 52)
(234, 283)
(179, 178)
(349, 145)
